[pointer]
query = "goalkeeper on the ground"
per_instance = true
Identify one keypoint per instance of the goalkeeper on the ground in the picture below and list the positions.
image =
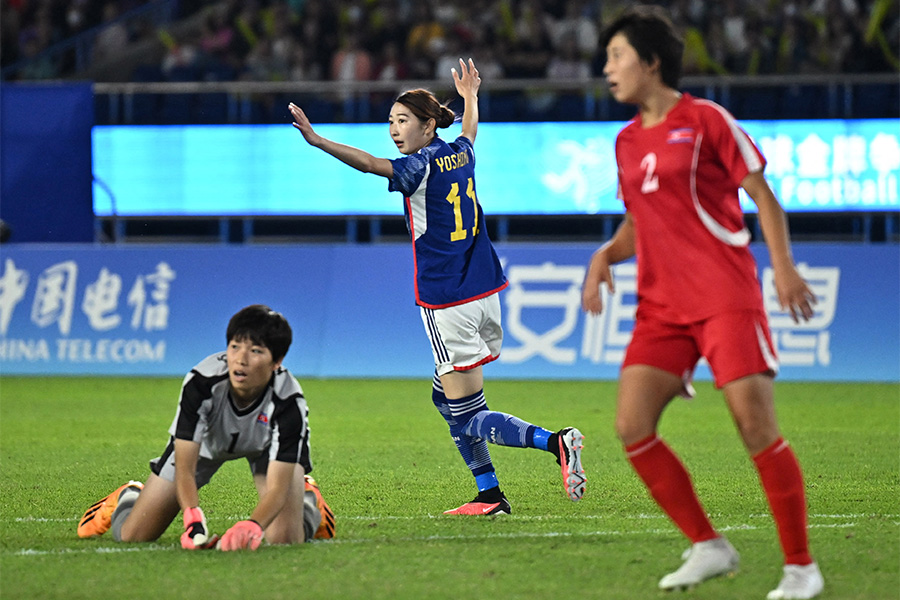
(241, 403)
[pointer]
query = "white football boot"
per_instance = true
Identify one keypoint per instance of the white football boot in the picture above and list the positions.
(702, 561)
(799, 583)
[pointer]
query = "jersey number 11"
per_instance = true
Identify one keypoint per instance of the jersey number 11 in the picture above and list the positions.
(453, 198)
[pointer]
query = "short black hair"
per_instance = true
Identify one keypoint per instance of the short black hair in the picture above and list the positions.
(651, 32)
(261, 325)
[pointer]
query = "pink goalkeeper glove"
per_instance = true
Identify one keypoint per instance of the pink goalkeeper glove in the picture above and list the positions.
(242, 535)
(196, 535)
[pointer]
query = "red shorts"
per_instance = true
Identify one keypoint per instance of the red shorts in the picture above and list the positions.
(735, 344)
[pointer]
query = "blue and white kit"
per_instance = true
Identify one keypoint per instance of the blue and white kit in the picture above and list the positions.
(454, 259)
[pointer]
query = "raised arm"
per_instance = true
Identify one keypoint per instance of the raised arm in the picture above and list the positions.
(467, 83)
(356, 158)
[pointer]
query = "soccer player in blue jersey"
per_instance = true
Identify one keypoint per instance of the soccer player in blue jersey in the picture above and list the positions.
(457, 280)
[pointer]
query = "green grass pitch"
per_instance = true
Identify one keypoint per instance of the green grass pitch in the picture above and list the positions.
(388, 468)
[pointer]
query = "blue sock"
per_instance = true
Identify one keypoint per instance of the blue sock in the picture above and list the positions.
(496, 427)
(473, 450)
(541, 438)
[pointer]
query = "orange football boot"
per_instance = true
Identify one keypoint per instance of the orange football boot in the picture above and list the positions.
(98, 518)
(326, 528)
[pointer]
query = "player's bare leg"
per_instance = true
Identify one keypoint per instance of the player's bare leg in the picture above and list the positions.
(751, 400)
(153, 512)
(752, 405)
(644, 392)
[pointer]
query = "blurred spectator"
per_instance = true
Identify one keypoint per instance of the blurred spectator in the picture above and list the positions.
(181, 59)
(530, 50)
(792, 53)
(578, 26)
(248, 26)
(489, 65)
(216, 36)
(302, 68)
(262, 64)
(386, 26)
(568, 62)
(39, 66)
(317, 33)
(351, 62)
(527, 36)
(449, 57)
(704, 56)
(425, 41)
(33, 41)
(76, 17)
(114, 36)
(734, 27)
(391, 66)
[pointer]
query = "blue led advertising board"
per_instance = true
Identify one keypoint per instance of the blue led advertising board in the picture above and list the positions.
(523, 168)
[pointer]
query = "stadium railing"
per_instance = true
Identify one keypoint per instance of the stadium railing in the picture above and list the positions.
(747, 97)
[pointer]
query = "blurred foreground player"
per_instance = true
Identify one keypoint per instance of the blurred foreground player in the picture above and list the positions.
(681, 161)
(238, 404)
(457, 281)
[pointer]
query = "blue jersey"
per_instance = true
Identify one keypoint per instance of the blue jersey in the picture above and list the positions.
(453, 257)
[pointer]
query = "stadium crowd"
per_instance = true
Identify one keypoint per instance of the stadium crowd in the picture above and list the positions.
(281, 40)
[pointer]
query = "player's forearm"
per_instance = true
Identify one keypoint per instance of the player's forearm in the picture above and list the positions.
(356, 158)
(269, 506)
(470, 117)
(186, 454)
(279, 479)
(186, 490)
(772, 220)
(621, 246)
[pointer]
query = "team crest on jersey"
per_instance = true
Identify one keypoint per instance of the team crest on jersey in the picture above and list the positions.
(680, 136)
(262, 419)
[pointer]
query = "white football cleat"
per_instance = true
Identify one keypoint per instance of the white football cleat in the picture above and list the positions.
(703, 560)
(800, 582)
(571, 443)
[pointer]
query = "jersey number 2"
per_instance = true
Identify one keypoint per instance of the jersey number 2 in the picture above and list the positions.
(651, 179)
(453, 198)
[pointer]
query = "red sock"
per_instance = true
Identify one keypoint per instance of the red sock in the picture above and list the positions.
(782, 482)
(671, 487)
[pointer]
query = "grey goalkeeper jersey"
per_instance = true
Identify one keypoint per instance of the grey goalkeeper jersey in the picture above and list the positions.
(276, 423)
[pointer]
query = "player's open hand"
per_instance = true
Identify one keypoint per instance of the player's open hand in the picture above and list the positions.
(243, 535)
(466, 79)
(794, 294)
(301, 122)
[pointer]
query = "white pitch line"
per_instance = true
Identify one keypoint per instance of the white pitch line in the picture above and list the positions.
(428, 538)
(31, 519)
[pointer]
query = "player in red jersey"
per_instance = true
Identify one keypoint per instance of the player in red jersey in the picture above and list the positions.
(681, 161)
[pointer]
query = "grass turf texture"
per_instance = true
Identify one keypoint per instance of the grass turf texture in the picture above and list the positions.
(388, 469)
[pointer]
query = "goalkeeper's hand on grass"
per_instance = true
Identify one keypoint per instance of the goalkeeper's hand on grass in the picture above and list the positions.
(242, 535)
(196, 534)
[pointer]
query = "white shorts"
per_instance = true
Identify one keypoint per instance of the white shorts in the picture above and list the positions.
(464, 336)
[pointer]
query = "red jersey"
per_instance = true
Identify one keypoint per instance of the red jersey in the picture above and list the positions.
(679, 181)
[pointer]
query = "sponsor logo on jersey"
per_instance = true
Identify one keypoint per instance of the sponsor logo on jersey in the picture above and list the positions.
(262, 419)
